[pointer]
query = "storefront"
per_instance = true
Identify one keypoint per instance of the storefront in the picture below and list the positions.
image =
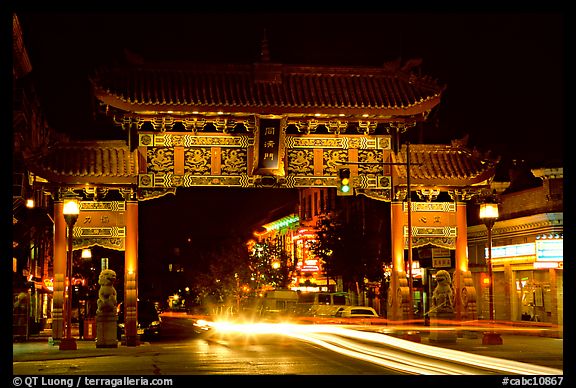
(532, 272)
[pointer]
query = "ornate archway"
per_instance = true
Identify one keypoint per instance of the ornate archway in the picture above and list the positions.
(261, 125)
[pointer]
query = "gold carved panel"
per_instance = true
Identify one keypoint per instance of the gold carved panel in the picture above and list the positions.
(197, 160)
(234, 161)
(300, 161)
(244, 160)
(160, 160)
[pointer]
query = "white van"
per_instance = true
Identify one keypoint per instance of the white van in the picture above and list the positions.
(278, 302)
(322, 304)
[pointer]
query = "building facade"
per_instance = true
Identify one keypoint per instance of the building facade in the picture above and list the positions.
(527, 253)
(32, 224)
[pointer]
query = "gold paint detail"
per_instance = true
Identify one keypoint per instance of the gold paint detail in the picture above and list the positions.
(160, 159)
(234, 161)
(300, 161)
(197, 160)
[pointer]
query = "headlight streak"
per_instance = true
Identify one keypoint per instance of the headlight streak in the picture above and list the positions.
(365, 357)
(313, 334)
(490, 363)
(388, 359)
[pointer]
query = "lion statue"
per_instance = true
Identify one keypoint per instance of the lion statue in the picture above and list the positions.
(442, 297)
(107, 293)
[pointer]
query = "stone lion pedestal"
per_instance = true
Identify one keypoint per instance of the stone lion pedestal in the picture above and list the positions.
(106, 316)
(439, 320)
(106, 336)
(442, 312)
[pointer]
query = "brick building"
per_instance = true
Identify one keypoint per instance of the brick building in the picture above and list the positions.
(527, 252)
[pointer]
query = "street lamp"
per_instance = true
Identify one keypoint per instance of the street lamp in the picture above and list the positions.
(489, 215)
(71, 211)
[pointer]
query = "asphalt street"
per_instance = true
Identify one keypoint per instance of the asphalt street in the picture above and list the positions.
(534, 349)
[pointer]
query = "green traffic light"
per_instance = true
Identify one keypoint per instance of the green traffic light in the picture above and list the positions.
(344, 186)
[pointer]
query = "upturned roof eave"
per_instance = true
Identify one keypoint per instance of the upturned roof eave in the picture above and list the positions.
(74, 180)
(43, 166)
(482, 179)
(355, 112)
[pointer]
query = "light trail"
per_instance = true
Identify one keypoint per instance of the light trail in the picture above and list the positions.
(389, 359)
(385, 350)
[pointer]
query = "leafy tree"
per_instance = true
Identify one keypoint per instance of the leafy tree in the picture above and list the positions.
(351, 247)
(268, 265)
(228, 270)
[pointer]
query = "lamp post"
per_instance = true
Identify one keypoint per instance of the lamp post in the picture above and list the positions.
(71, 211)
(489, 215)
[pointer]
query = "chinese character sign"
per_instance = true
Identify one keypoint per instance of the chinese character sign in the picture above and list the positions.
(269, 146)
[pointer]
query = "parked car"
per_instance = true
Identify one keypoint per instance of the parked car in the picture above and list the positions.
(149, 320)
(356, 312)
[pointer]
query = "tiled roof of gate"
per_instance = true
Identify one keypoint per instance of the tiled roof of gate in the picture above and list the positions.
(443, 165)
(267, 88)
(79, 162)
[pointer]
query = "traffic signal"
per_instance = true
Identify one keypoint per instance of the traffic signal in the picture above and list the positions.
(344, 182)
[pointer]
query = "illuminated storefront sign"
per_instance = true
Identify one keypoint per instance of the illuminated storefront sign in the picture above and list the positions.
(547, 264)
(310, 265)
(550, 250)
(545, 253)
(515, 250)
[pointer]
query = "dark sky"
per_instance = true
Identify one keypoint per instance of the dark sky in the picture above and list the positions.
(504, 71)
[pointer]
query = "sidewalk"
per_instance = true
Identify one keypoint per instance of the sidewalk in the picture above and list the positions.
(40, 347)
(538, 350)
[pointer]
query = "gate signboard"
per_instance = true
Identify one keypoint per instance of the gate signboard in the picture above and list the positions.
(100, 223)
(432, 223)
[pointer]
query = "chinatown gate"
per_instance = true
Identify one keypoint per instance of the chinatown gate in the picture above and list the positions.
(264, 125)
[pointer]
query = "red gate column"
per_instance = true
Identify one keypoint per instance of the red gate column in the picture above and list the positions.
(131, 274)
(465, 293)
(398, 290)
(59, 270)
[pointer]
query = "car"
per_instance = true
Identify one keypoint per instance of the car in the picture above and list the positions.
(356, 312)
(149, 321)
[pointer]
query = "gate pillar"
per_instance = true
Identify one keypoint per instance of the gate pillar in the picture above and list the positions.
(464, 291)
(131, 275)
(59, 270)
(398, 290)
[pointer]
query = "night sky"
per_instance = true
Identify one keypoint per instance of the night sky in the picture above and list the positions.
(504, 73)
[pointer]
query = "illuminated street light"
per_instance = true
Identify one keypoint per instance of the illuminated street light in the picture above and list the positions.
(489, 215)
(71, 211)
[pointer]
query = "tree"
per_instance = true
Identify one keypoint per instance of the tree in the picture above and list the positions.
(222, 281)
(350, 245)
(268, 265)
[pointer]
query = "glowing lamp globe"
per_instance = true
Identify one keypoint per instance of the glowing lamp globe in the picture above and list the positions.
(488, 211)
